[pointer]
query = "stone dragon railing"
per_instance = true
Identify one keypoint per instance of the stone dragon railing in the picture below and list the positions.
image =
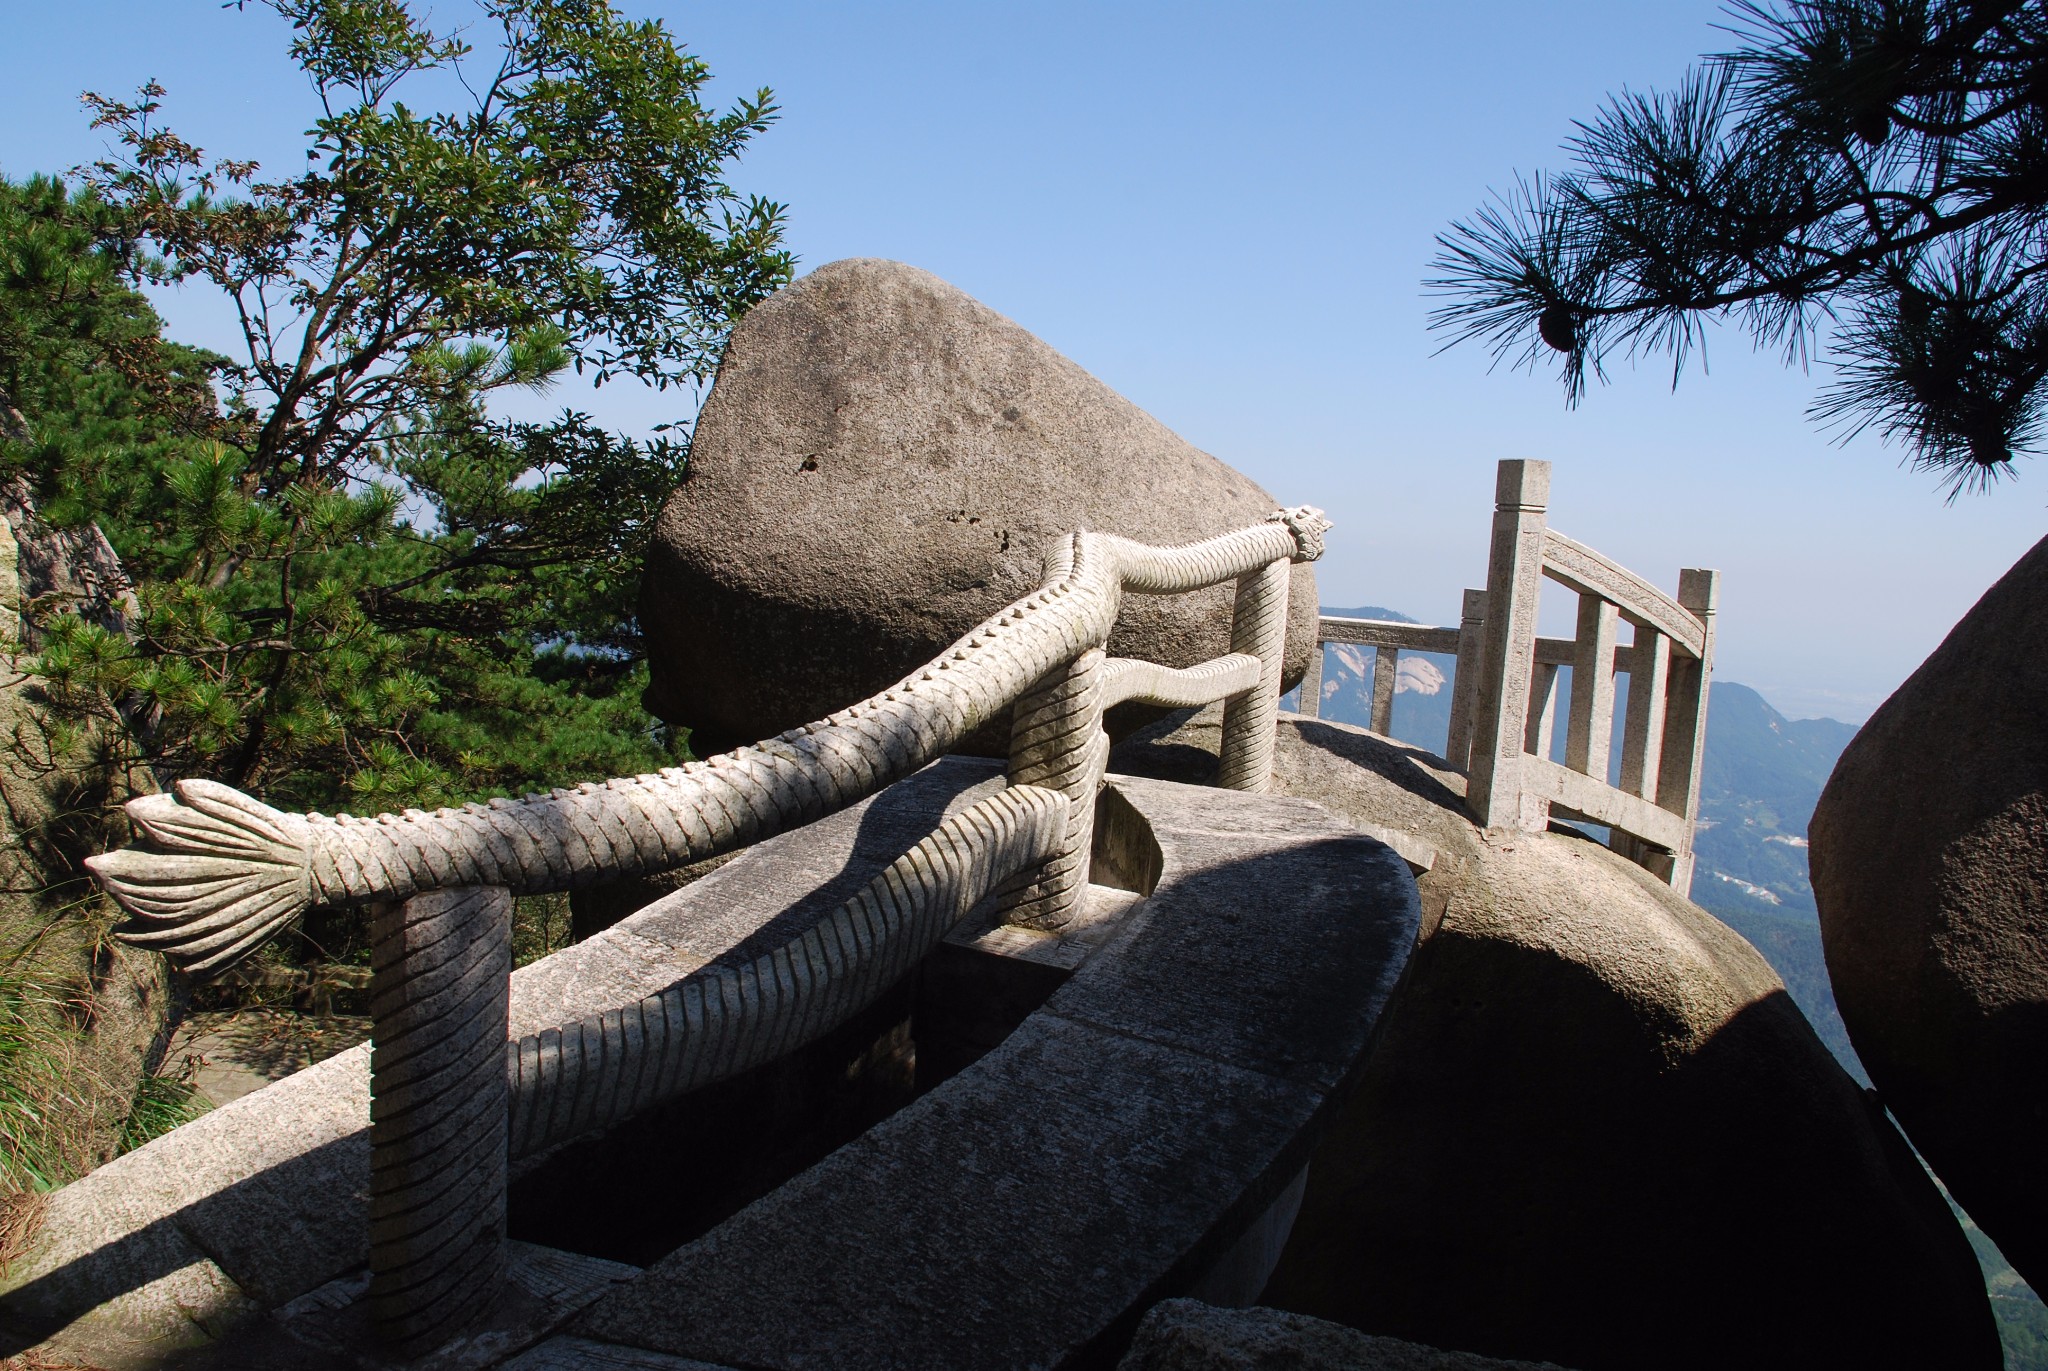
(214, 873)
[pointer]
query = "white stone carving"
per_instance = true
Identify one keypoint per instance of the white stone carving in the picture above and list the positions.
(215, 873)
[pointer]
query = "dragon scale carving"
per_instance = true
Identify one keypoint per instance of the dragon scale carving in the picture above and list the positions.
(214, 873)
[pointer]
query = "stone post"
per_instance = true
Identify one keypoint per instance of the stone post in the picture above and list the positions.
(1642, 730)
(1386, 670)
(1514, 583)
(1589, 736)
(1312, 678)
(441, 971)
(1056, 741)
(1258, 627)
(1465, 678)
(1685, 718)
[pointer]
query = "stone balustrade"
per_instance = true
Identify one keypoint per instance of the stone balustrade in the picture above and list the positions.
(215, 873)
(1504, 701)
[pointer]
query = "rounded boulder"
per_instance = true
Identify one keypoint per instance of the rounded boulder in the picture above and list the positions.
(1595, 1130)
(1930, 867)
(882, 463)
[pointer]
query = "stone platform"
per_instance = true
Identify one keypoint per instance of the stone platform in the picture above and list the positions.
(1136, 1137)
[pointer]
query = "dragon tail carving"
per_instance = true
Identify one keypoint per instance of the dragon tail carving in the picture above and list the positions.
(213, 874)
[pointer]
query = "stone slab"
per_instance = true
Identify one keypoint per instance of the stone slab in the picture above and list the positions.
(270, 1192)
(1188, 1335)
(1107, 1154)
(1252, 987)
(581, 1354)
(329, 1329)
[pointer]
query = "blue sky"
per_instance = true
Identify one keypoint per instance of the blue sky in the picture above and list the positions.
(1226, 211)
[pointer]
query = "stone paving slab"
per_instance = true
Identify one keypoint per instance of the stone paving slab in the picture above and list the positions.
(581, 1354)
(235, 1053)
(328, 1329)
(1106, 1155)
(267, 1197)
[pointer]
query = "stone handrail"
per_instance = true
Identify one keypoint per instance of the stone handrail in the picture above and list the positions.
(214, 873)
(1504, 692)
(1512, 780)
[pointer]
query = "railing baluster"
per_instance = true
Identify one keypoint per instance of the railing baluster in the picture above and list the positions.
(1685, 723)
(441, 970)
(1258, 626)
(1386, 670)
(1589, 737)
(1642, 737)
(1465, 678)
(1312, 680)
(1540, 730)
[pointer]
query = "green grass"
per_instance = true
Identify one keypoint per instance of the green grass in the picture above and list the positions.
(161, 1104)
(45, 1088)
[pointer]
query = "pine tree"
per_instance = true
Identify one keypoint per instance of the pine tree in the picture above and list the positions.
(359, 590)
(1868, 176)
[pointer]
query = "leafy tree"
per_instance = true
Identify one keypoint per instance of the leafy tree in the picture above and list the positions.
(357, 588)
(1869, 172)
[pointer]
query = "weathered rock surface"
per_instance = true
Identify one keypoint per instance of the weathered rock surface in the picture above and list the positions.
(1187, 1335)
(1930, 867)
(1595, 1129)
(883, 463)
(56, 794)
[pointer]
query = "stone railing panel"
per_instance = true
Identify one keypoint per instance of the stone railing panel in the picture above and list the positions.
(1504, 694)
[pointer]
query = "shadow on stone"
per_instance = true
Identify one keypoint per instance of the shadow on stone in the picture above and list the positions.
(1533, 1168)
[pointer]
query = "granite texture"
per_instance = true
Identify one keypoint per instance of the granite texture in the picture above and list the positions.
(1188, 1335)
(1110, 1152)
(1595, 1116)
(1930, 867)
(882, 463)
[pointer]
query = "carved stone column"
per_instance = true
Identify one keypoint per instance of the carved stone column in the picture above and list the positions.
(1056, 741)
(442, 966)
(1259, 628)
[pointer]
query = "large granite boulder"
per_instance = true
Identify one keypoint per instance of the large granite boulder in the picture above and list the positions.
(883, 463)
(1930, 866)
(1596, 1130)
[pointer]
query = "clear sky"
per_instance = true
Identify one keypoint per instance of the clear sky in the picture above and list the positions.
(1226, 211)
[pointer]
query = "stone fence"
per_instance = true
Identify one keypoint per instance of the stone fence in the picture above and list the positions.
(1504, 693)
(215, 873)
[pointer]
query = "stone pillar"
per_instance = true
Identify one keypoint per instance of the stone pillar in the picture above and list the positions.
(1056, 741)
(1590, 735)
(1312, 678)
(1514, 584)
(1642, 731)
(1258, 627)
(1386, 669)
(441, 972)
(1685, 718)
(1465, 678)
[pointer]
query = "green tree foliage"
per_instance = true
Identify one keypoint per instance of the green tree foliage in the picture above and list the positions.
(357, 588)
(1871, 172)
